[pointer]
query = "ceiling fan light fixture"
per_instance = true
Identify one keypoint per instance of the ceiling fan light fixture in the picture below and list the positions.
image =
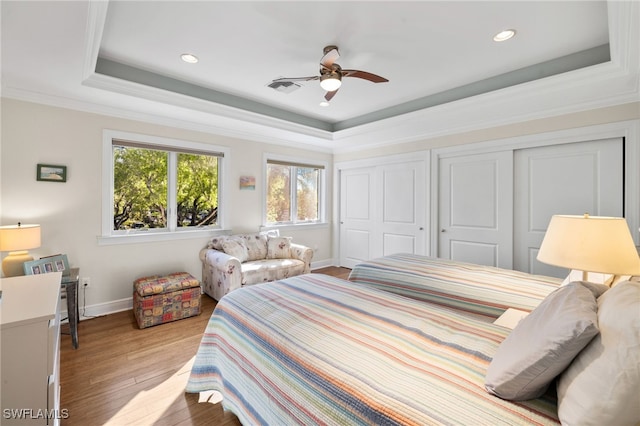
(189, 58)
(331, 82)
(331, 75)
(504, 35)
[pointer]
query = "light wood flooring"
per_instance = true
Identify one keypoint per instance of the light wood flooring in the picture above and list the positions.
(121, 375)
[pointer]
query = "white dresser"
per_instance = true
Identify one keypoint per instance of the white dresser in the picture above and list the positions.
(30, 350)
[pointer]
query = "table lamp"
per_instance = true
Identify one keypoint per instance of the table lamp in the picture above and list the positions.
(590, 244)
(17, 239)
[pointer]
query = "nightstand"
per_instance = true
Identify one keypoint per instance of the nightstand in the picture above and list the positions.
(510, 318)
(70, 283)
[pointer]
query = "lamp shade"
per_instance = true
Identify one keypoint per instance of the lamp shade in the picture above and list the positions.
(19, 237)
(590, 243)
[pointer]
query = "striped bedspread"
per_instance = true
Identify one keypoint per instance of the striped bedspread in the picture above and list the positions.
(472, 288)
(315, 349)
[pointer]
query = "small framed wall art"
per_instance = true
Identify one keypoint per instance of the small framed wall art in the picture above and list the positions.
(247, 183)
(51, 173)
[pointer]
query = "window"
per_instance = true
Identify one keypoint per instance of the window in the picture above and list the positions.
(160, 186)
(294, 192)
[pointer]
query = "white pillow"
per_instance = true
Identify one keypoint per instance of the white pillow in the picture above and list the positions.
(279, 248)
(602, 384)
(256, 246)
(236, 248)
(216, 242)
(271, 233)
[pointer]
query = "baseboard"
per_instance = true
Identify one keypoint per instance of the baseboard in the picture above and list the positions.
(100, 309)
(321, 264)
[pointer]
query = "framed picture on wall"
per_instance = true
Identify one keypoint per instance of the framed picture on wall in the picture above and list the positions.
(248, 183)
(51, 173)
(55, 263)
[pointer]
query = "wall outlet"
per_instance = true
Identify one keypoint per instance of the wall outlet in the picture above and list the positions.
(85, 282)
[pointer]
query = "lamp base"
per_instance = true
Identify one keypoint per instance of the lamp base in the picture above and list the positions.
(618, 279)
(12, 264)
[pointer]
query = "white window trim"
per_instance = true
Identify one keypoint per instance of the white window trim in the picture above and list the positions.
(108, 237)
(322, 191)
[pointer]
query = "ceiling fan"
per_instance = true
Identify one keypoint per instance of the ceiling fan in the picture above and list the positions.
(331, 74)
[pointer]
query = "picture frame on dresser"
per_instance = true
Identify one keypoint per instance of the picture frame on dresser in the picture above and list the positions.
(55, 263)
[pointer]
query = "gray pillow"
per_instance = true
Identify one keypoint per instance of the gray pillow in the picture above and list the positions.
(545, 342)
(601, 385)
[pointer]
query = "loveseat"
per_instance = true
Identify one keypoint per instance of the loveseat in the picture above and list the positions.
(230, 262)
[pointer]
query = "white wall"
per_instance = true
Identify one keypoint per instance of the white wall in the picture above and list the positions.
(70, 213)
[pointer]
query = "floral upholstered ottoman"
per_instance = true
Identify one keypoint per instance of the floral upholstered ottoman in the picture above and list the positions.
(160, 299)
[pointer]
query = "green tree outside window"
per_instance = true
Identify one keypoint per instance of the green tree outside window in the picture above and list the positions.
(141, 188)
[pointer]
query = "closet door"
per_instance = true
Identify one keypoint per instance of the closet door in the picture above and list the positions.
(476, 208)
(402, 196)
(357, 216)
(382, 211)
(576, 178)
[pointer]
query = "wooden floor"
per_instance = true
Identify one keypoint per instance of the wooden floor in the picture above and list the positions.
(121, 375)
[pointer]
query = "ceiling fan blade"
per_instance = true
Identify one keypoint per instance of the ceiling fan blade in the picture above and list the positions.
(285, 79)
(364, 75)
(330, 56)
(329, 95)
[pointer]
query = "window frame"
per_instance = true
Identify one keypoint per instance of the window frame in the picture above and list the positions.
(172, 232)
(322, 190)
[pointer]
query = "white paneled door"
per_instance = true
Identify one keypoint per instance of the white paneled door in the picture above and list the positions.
(382, 211)
(357, 215)
(577, 178)
(403, 208)
(475, 208)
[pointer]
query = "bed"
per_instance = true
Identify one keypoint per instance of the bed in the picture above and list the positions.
(471, 288)
(315, 349)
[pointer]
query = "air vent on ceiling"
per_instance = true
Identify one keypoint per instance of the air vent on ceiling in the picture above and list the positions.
(284, 86)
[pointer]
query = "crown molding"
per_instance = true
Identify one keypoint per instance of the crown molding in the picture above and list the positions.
(96, 18)
(176, 118)
(579, 91)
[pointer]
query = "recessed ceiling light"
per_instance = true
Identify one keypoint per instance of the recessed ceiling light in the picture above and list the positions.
(189, 58)
(504, 35)
(324, 104)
